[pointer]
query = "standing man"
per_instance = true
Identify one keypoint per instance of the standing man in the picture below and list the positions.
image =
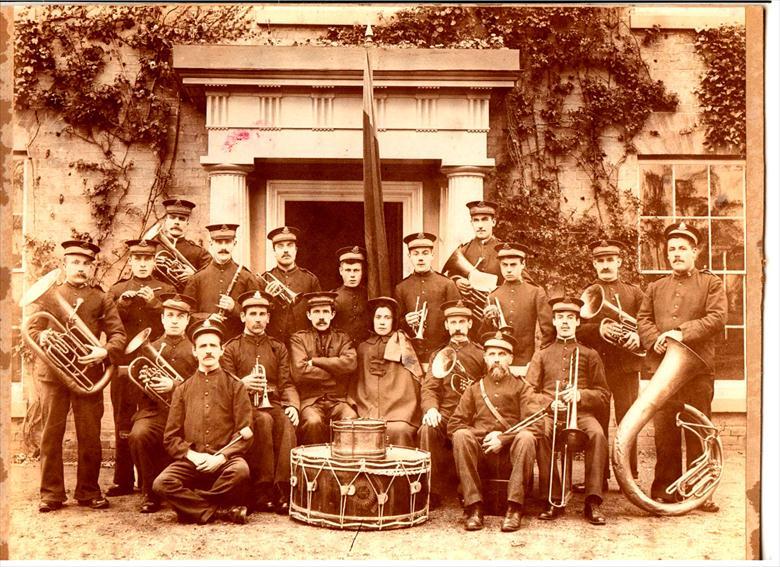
(175, 222)
(146, 436)
(216, 287)
(550, 367)
(523, 304)
(424, 287)
(620, 349)
(137, 300)
(481, 250)
(440, 396)
(689, 306)
(274, 427)
(207, 414)
(323, 361)
(478, 428)
(352, 296)
(287, 315)
(98, 312)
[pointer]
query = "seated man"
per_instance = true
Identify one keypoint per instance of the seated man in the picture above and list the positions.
(478, 428)
(273, 426)
(202, 434)
(146, 436)
(549, 367)
(387, 385)
(323, 361)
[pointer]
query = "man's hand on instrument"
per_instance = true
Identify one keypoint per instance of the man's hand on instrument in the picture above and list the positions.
(611, 330)
(412, 318)
(146, 293)
(490, 311)
(252, 382)
(127, 296)
(570, 395)
(217, 317)
(492, 442)
(226, 302)
(631, 341)
(95, 355)
(464, 285)
(560, 405)
(660, 342)
(292, 413)
(185, 272)
(161, 384)
(432, 418)
(273, 288)
(45, 336)
(212, 463)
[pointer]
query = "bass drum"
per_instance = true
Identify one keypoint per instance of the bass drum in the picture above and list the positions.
(359, 494)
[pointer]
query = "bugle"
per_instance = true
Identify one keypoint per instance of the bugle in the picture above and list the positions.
(69, 339)
(170, 265)
(446, 363)
(148, 366)
(284, 294)
(594, 302)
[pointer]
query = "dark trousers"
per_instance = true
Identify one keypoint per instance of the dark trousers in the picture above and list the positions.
(146, 448)
(269, 455)
(698, 393)
(196, 495)
(435, 441)
(316, 418)
(468, 453)
(596, 455)
(124, 400)
(401, 434)
(56, 401)
(625, 389)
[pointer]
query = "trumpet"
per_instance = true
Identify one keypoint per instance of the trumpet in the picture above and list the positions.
(171, 265)
(285, 294)
(446, 363)
(419, 328)
(69, 339)
(149, 366)
(594, 302)
(257, 401)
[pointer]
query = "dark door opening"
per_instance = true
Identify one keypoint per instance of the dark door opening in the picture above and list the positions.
(327, 226)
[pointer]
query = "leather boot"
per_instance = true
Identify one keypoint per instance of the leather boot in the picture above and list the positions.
(593, 513)
(551, 513)
(236, 514)
(474, 517)
(514, 515)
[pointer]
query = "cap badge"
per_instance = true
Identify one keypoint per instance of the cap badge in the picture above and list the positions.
(285, 230)
(604, 243)
(499, 335)
(207, 324)
(460, 303)
(683, 226)
(178, 203)
(420, 235)
(224, 227)
(143, 243)
(355, 250)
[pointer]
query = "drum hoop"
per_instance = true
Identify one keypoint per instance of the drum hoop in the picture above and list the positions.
(358, 522)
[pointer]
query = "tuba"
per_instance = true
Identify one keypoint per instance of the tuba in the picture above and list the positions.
(70, 339)
(445, 363)
(148, 365)
(594, 302)
(698, 483)
(169, 263)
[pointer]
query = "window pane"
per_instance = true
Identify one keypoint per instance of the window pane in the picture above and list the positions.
(735, 293)
(728, 244)
(653, 245)
(690, 185)
(727, 190)
(730, 355)
(656, 189)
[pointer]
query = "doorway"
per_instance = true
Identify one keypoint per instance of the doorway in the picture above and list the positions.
(327, 226)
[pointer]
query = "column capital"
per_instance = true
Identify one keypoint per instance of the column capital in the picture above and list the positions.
(465, 171)
(233, 168)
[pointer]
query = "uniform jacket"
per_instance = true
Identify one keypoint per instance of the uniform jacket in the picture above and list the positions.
(434, 289)
(285, 319)
(694, 303)
(524, 305)
(437, 392)
(239, 358)
(206, 412)
(98, 312)
(352, 315)
(138, 314)
(333, 361)
(552, 364)
(615, 359)
(384, 389)
(177, 351)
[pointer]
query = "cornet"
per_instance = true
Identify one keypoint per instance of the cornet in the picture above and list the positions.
(446, 363)
(594, 302)
(285, 295)
(419, 328)
(148, 366)
(170, 265)
(257, 401)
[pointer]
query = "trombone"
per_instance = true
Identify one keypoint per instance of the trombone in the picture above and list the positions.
(419, 328)
(285, 295)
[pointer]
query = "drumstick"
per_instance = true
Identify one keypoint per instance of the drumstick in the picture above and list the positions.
(244, 433)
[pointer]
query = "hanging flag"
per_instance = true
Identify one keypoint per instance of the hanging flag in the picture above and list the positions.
(378, 262)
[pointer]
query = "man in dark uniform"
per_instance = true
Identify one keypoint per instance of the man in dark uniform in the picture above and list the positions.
(287, 317)
(689, 306)
(352, 297)
(98, 312)
(620, 356)
(146, 437)
(323, 361)
(138, 303)
(274, 426)
(440, 396)
(424, 287)
(203, 435)
(216, 287)
(177, 217)
(478, 428)
(551, 366)
(523, 304)
(481, 250)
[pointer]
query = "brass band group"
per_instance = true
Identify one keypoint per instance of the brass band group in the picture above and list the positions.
(220, 376)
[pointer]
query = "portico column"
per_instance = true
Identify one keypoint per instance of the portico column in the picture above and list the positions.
(229, 203)
(464, 184)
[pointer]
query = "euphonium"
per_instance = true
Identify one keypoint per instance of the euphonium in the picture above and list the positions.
(446, 363)
(142, 369)
(70, 339)
(698, 483)
(170, 264)
(286, 295)
(482, 283)
(594, 302)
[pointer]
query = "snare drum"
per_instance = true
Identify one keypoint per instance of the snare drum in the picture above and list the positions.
(357, 493)
(359, 438)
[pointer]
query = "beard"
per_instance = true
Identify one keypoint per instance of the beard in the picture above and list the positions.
(499, 371)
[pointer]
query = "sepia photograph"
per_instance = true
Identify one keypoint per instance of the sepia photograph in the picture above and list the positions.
(387, 282)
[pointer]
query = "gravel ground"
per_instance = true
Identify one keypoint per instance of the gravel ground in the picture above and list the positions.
(120, 532)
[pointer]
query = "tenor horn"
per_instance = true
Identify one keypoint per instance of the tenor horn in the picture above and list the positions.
(446, 363)
(69, 340)
(699, 482)
(148, 365)
(595, 302)
(170, 264)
